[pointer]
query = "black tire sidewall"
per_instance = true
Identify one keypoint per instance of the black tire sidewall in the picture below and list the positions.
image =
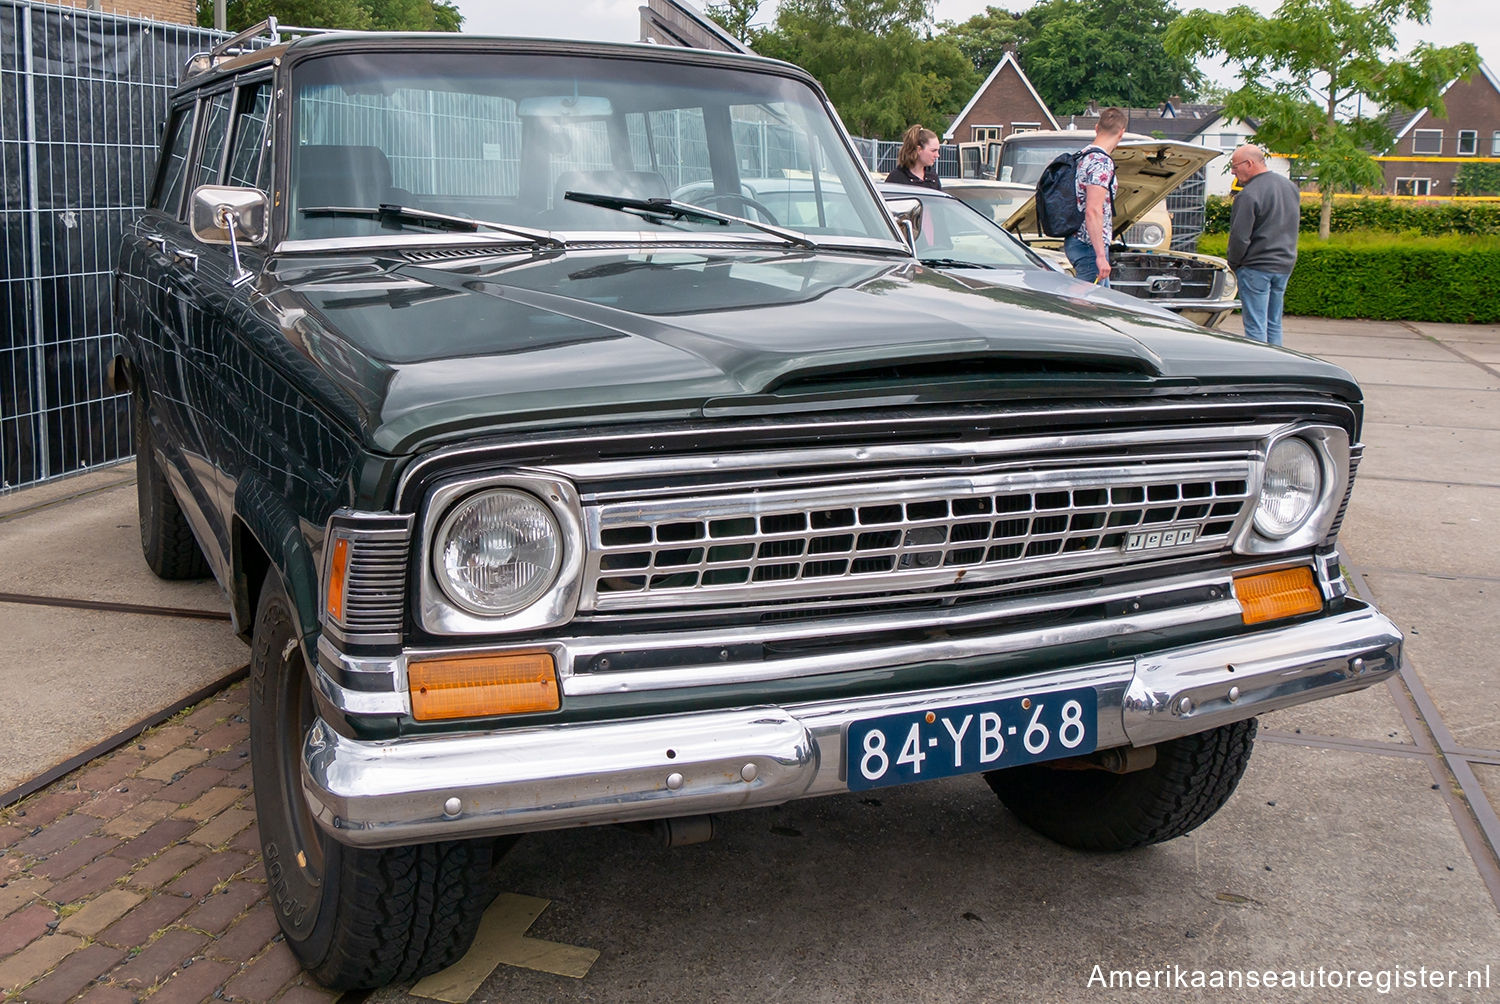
(305, 904)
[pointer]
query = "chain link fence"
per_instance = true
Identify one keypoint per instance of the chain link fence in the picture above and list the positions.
(82, 99)
(879, 156)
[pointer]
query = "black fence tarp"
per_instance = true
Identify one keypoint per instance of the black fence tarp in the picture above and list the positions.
(82, 99)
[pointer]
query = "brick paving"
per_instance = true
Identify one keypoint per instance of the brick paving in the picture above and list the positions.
(138, 877)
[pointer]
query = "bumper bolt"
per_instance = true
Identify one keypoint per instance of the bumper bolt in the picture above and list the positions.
(749, 772)
(1185, 705)
(452, 807)
(1358, 665)
(1234, 694)
(674, 781)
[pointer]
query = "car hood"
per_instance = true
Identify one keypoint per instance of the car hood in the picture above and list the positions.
(1062, 285)
(428, 351)
(1146, 171)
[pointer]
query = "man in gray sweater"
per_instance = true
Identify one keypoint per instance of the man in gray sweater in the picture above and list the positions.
(1263, 222)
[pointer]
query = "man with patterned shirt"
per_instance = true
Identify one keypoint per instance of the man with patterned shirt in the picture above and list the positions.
(1088, 249)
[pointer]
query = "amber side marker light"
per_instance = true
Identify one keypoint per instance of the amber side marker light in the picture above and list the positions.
(336, 577)
(1271, 596)
(474, 685)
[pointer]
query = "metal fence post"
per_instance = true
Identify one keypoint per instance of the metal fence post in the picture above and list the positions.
(43, 453)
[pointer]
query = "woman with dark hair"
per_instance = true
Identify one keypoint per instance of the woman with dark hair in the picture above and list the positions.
(917, 162)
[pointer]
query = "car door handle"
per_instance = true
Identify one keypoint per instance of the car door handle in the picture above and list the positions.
(188, 258)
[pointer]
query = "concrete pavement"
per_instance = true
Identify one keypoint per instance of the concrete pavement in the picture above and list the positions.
(1361, 837)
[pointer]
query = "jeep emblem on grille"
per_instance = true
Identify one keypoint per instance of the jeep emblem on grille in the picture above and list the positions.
(1154, 539)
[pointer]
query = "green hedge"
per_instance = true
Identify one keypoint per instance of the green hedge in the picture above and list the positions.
(1393, 278)
(1351, 214)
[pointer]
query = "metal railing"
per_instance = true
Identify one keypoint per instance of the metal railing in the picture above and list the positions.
(82, 99)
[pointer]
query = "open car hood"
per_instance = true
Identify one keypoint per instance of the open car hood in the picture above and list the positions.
(1147, 170)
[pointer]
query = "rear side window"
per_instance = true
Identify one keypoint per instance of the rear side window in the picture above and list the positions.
(168, 195)
(247, 168)
(215, 135)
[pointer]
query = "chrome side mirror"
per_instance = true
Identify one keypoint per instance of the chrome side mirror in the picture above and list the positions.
(908, 214)
(223, 215)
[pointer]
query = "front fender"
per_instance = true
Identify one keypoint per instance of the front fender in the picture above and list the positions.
(269, 535)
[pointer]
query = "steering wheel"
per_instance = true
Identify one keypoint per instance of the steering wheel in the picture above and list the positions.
(713, 198)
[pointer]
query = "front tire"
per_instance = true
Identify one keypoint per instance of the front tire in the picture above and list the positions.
(356, 918)
(1095, 810)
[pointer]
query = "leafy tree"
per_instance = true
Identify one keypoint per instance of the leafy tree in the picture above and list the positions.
(736, 17)
(361, 15)
(1110, 51)
(1302, 67)
(881, 69)
(984, 37)
(1077, 51)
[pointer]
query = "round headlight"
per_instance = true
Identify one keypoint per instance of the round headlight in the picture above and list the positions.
(1293, 483)
(1151, 234)
(497, 552)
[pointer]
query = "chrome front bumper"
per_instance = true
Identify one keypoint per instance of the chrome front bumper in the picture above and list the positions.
(403, 791)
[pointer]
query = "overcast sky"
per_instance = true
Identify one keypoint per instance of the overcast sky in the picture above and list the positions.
(1476, 21)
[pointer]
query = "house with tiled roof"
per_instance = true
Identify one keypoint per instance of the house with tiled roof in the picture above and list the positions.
(1004, 104)
(1470, 129)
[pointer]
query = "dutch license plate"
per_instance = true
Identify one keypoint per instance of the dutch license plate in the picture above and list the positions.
(942, 742)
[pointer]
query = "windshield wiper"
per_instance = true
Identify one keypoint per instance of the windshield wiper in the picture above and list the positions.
(439, 221)
(953, 263)
(657, 209)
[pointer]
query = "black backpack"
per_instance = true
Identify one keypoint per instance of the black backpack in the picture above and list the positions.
(1057, 212)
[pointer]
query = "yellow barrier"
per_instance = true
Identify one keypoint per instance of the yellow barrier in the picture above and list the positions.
(1358, 196)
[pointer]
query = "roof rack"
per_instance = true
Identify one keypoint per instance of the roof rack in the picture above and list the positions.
(269, 30)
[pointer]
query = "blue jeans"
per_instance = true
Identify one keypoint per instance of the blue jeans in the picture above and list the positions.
(1081, 254)
(1261, 294)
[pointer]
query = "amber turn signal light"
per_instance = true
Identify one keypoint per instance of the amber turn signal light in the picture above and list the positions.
(475, 685)
(1271, 596)
(337, 572)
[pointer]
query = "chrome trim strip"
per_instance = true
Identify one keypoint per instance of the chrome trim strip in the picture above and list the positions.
(660, 437)
(882, 656)
(944, 617)
(338, 701)
(926, 453)
(399, 791)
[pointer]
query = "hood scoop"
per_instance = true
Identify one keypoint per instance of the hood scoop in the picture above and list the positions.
(911, 374)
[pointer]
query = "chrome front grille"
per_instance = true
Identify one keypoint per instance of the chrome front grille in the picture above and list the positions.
(905, 533)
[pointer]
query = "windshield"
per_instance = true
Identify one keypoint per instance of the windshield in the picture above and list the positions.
(1022, 163)
(996, 203)
(503, 138)
(957, 236)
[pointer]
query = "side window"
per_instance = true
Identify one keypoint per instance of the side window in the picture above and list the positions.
(215, 135)
(168, 194)
(245, 160)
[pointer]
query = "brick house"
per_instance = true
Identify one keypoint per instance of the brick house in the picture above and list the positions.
(1472, 129)
(172, 11)
(1005, 103)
